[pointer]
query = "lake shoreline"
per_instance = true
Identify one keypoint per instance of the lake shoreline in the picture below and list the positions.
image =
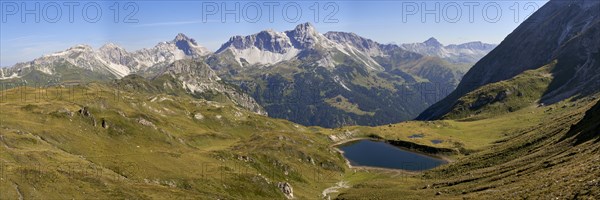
(441, 156)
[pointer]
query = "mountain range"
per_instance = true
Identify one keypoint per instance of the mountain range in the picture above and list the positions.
(330, 79)
(469, 52)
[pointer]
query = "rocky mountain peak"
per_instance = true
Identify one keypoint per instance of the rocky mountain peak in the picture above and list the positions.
(304, 36)
(433, 42)
(305, 28)
(188, 45)
(183, 37)
(111, 47)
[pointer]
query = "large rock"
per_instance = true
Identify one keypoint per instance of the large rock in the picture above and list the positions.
(287, 189)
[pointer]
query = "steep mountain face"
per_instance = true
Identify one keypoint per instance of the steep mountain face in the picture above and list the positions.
(467, 53)
(109, 61)
(368, 46)
(564, 31)
(266, 47)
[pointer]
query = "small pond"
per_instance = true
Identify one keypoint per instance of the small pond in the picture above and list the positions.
(371, 153)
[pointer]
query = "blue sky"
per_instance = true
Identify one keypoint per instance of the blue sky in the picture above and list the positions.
(64, 24)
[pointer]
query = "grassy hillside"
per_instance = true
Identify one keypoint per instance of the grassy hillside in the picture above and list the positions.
(139, 145)
(530, 153)
(143, 144)
(502, 97)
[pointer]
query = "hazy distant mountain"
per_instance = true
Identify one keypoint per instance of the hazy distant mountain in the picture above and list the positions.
(562, 34)
(469, 52)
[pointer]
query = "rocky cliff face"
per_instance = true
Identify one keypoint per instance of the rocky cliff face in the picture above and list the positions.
(369, 46)
(562, 30)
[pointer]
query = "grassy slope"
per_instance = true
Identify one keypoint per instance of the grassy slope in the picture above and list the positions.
(529, 152)
(543, 160)
(230, 153)
(503, 97)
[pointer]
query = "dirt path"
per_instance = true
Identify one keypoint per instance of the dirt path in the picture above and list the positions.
(334, 189)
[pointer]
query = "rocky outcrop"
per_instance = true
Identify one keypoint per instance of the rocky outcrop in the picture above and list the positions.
(287, 189)
(147, 123)
(85, 112)
(66, 112)
(342, 136)
(198, 78)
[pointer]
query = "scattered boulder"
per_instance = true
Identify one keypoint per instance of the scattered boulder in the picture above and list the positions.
(198, 116)
(287, 189)
(66, 112)
(245, 158)
(311, 160)
(85, 112)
